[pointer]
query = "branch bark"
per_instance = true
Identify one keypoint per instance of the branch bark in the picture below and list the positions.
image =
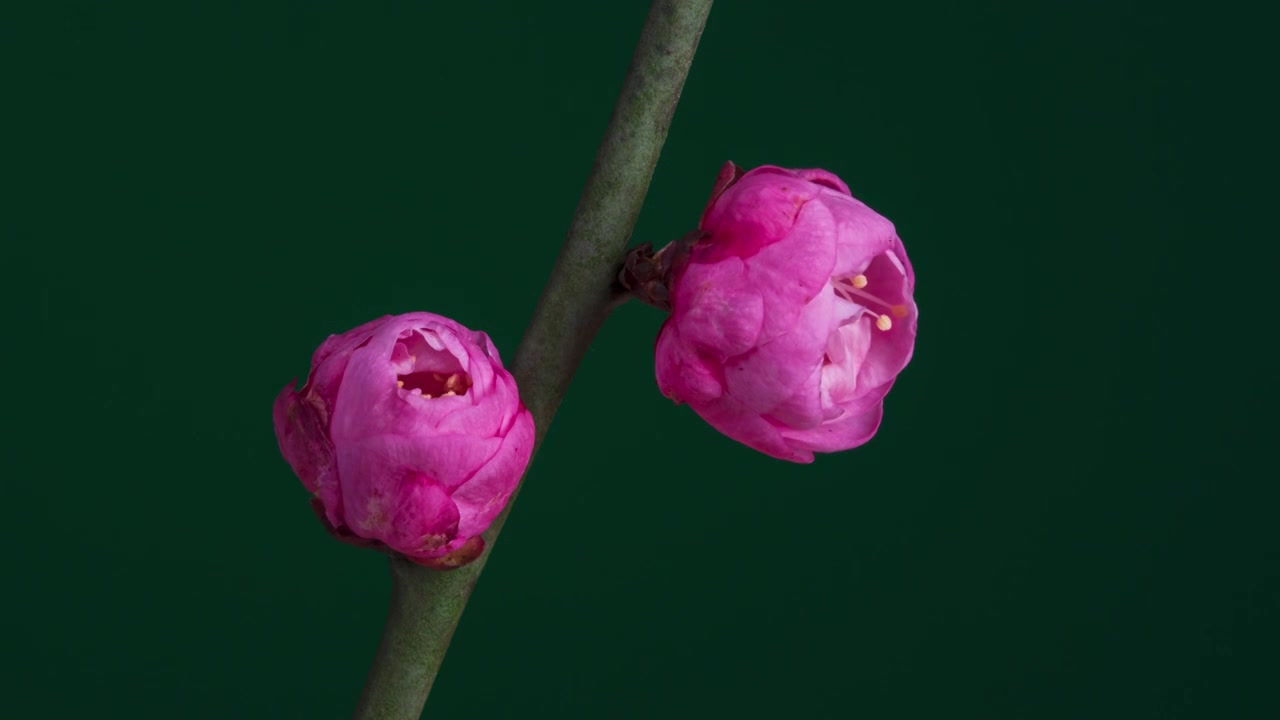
(426, 604)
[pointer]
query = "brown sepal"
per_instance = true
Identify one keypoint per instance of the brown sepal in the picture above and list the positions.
(469, 551)
(647, 275)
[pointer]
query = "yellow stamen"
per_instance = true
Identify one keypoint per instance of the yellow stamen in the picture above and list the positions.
(457, 382)
(852, 289)
(399, 383)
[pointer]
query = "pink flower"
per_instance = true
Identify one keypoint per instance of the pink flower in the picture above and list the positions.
(791, 316)
(410, 434)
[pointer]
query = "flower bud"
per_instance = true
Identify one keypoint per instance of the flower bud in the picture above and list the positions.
(410, 434)
(791, 315)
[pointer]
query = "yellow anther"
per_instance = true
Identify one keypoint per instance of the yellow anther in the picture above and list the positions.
(457, 382)
(859, 281)
(449, 394)
(883, 322)
(399, 383)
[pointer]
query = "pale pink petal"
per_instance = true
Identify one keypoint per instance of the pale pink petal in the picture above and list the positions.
(847, 348)
(843, 433)
(768, 375)
(803, 408)
(739, 422)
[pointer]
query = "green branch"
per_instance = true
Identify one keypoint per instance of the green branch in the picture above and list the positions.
(426, 604)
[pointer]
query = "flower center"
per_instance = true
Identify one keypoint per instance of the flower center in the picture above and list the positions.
(434, 384)
(852, 290)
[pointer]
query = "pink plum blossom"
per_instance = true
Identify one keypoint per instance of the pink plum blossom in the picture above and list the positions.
(791, 315)
(410, 435)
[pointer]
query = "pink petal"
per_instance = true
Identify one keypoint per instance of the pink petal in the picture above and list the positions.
(370, 402)
(861, 234)
(305, 445)
(329, 361)
(890, 350)
(840, 434)
(824, 178)
(345, 342)
(739, 422)
(426, 519)
(846, 349)
(759, 209)
(685, 374)
(449, 460)
(803, 408)
(717, 308)
(483, 496)
(301, 436)
(770, 374)
(483, 412)
(790, 273)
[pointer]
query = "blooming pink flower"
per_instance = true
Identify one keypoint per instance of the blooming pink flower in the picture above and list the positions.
(410, 434)
(791, 316)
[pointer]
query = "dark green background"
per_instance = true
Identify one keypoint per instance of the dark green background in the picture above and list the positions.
(1064, 515)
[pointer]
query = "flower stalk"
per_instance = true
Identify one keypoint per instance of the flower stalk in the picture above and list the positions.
(426, 604)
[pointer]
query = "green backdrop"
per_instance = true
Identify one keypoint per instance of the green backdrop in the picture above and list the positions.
(1060, 518)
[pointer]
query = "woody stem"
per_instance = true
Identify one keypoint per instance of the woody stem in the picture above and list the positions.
(426, 604)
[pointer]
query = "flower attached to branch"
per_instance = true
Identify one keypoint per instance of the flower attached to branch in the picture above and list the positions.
(791, 315)
(411, 436)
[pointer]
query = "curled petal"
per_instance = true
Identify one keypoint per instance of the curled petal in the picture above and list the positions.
(719, 307)
(774, 371)
(484, 495)
(842, 434)
(685, 372)
(426, 519)
(749, 428)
